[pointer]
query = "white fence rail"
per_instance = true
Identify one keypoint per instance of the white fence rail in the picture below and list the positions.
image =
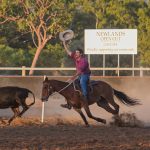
(24, 69)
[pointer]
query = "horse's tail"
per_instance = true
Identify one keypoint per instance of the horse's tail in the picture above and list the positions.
(126, 99)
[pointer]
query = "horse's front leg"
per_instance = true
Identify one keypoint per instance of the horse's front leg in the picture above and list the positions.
(82, 116)
(87, 110)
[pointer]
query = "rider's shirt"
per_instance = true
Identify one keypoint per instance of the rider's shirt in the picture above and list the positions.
(82, 64)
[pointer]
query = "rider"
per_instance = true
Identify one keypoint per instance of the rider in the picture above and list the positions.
(83, 71)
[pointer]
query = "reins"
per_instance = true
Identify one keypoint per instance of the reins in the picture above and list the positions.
(74, 85)
(67, 86)
(72, 81)
(76, 88)
(62, 89)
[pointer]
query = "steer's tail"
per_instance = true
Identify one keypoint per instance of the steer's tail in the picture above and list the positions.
(33, 98)
(126, 99)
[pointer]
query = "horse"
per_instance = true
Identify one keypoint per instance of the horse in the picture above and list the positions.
(102, 94)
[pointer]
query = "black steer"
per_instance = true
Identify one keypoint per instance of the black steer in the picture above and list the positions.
(14, 97)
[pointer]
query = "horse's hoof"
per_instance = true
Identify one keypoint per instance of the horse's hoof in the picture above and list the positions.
(7, 124)
(87, 125)
(104, 121)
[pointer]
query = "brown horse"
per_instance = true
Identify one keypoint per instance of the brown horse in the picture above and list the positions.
(102, 94)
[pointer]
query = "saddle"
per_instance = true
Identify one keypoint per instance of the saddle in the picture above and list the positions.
(91, 84)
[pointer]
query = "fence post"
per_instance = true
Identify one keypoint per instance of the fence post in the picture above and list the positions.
(23, 70)
(118, 71)
(104, 64)
(133, 65)
(42, 117)
(141, 71)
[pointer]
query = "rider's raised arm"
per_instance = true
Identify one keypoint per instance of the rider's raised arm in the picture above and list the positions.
(67, 49)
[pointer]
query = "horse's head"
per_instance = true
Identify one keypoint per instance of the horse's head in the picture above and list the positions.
(47, 90)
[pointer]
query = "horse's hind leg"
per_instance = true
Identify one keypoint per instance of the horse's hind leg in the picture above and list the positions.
(82, 116)
(112, 102)
(104, 104)
(87, 110)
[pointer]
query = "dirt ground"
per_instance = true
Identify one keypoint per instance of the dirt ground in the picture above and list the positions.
(59, 134)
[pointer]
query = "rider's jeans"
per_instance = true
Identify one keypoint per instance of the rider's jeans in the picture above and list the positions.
(84, 79)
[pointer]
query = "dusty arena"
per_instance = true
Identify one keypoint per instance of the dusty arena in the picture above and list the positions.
(64, 135)
(64, 130)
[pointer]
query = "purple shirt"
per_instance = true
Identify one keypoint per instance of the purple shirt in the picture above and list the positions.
(82, 64)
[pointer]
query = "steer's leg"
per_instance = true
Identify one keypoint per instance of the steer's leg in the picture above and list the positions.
(16, 113)
(24, 106)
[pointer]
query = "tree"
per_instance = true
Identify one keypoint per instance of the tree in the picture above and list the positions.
(144, 35)
(121, 14)
(44, 19)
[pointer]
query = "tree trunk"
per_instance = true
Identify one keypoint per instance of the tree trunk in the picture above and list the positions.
(36, 56)
(38, 51)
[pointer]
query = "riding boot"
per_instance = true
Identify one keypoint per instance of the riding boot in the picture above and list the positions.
(68, 106)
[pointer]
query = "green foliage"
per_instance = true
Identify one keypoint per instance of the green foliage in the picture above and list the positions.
(52, 56)
(16, 38)
(144, 36)
(13, 57)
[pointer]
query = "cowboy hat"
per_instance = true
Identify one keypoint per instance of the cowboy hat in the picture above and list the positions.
(66, 35)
